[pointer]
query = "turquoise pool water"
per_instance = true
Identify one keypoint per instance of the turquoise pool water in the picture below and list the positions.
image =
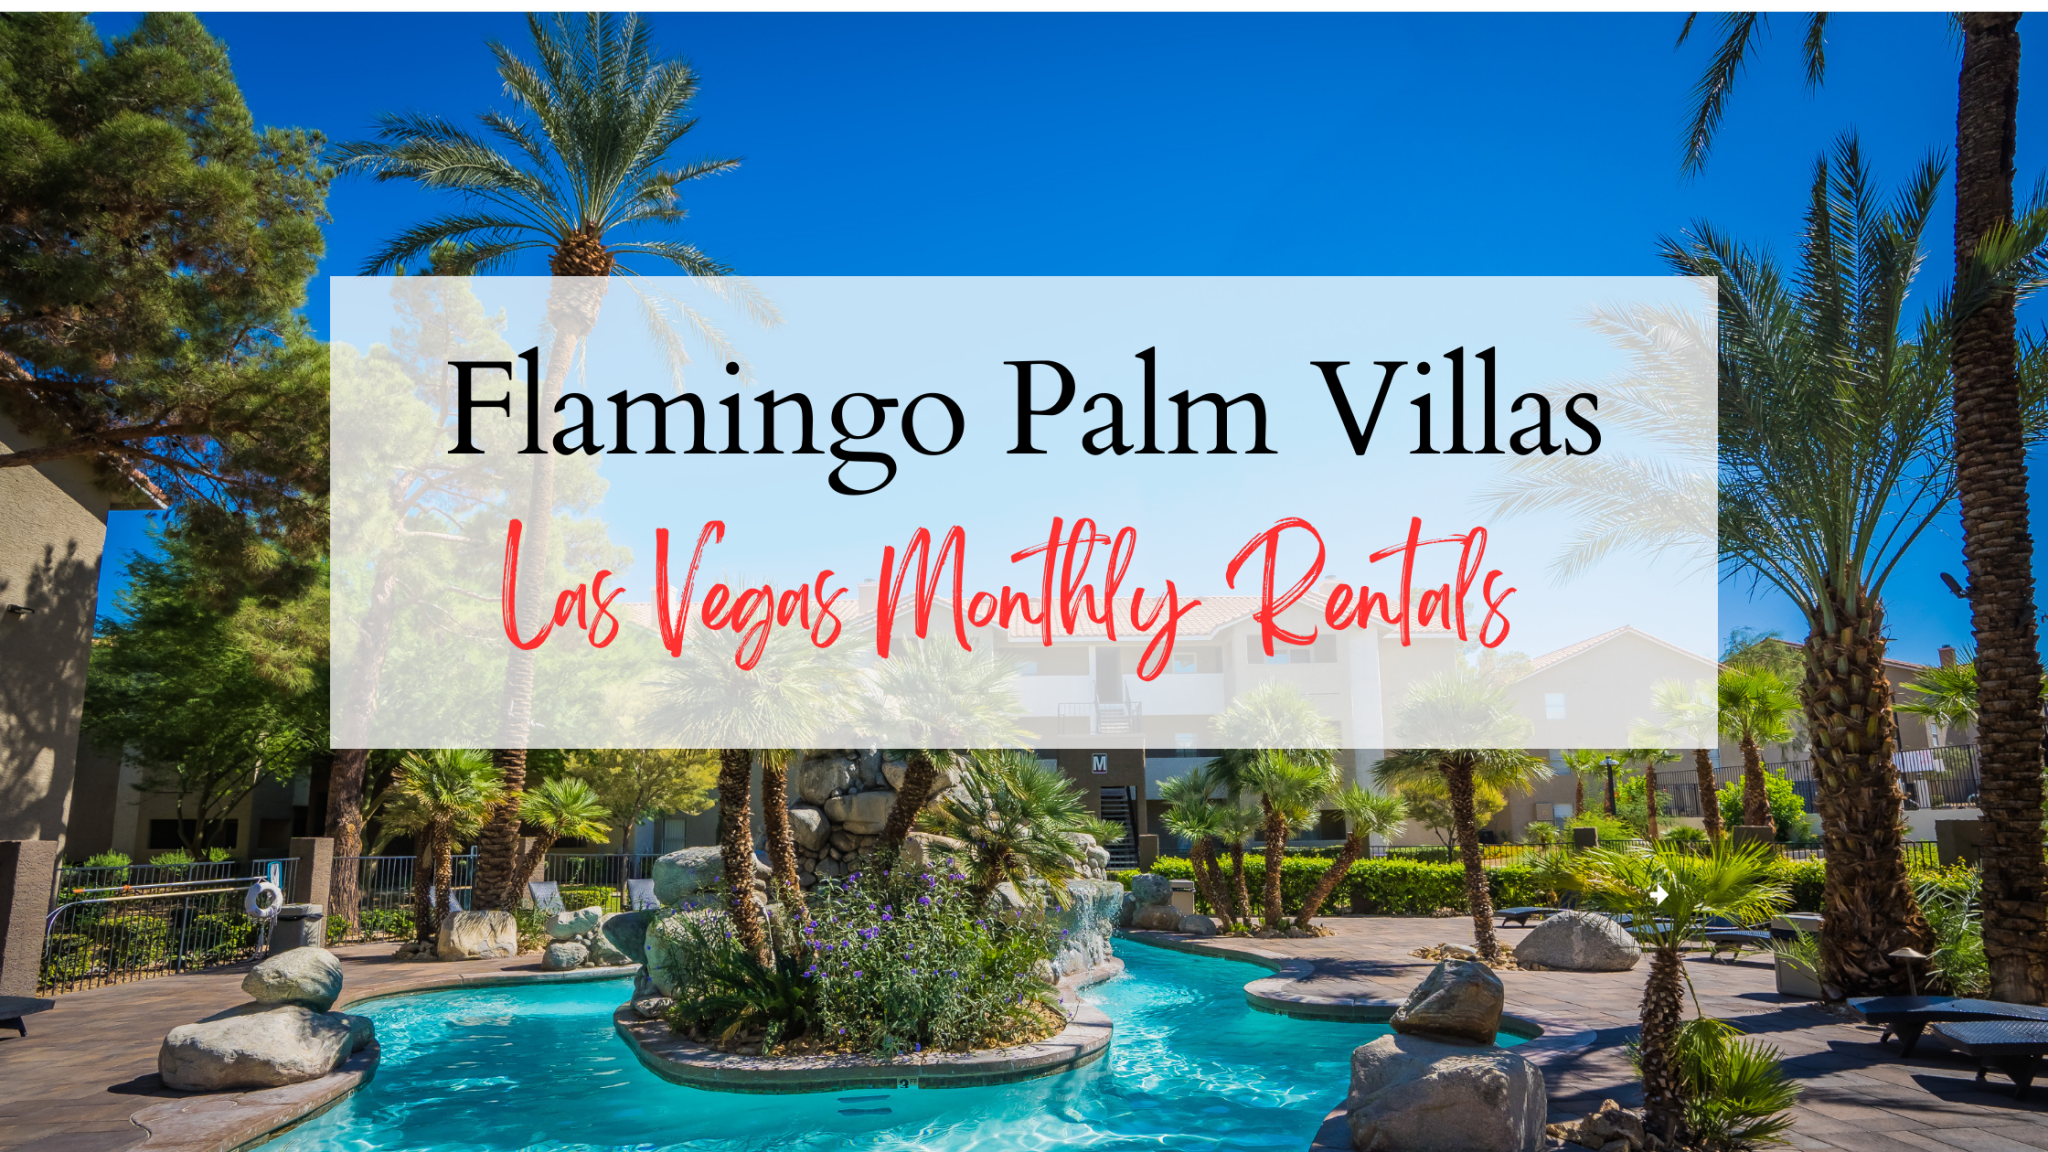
(1191, 1067)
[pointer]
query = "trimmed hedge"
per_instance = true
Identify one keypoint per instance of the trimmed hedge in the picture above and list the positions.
(1397, 887)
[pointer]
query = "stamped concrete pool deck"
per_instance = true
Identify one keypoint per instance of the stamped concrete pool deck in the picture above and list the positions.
(85, 1079)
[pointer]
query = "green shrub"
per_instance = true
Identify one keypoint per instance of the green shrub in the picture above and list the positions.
(1788, 809)
(1949, 900)
(395, 923)
(1394, 886)
(599, 895)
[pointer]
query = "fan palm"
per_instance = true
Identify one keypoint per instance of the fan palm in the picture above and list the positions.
(1581, 763)
(1836, 456)
(1646, 753)
(578, 172)
(1017, 818)
(1280, 749)
(564, 808)
(1193, 815)
(1672, 895)
(932, 699)
(1756, 709)
(1366, 814)
(706, 700)
(1476, 738)
(1995, 403)
(442, 796)
(1691, 720)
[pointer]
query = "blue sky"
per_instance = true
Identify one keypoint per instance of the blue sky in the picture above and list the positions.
(1194, 144)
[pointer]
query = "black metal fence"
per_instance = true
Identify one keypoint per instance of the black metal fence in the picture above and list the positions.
(1929, 777)
(135, 932)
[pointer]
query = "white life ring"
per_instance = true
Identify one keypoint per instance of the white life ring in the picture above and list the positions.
(263, 901)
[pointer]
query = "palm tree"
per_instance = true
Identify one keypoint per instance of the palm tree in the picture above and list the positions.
(583, 177)
(442, 796)
(1756, 709)
(1192, 813)
(1691, 719)
(1946, 695)
(1017, 818)
(1994, 402)
(1581, 763)
(931, 700)
(1475, 737)
(1672, 895)
(1835, 457)
(1280, 749)
(706, 700)
(564, 808)
(1649, 756)
(1366, 814)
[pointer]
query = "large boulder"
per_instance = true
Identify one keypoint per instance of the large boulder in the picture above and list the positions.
(819, 780)
(1152, 888)
(477, 936)
(927, 850)
(627, 932)
(863, 813)
(667, 938)
(808, 828)
(1200, 925)
(1126, 910)
(1156, 918)
(1579, 942)
(604, 954)
(569, 925)
(563, 955)
(285, 1045)
(1460, 999)
(686, 872)
(308, 977)
(1423, 1094)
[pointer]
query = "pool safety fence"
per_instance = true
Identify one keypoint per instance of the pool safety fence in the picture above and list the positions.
(136, 932)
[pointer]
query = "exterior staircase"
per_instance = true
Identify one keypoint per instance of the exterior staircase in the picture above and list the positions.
(1116, 808)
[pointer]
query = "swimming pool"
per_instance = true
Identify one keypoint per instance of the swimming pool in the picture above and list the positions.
(539, 1067)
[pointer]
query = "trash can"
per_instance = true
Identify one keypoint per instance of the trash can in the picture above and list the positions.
(298, 926)
(1184, 896)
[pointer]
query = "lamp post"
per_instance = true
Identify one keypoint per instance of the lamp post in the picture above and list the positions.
(1610, 763)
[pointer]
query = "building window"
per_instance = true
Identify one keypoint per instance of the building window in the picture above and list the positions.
(1255, 652)
(1553, 705)
(1184, 741)
(163, 834)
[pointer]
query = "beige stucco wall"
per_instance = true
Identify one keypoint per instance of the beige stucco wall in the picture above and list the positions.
(53, 524)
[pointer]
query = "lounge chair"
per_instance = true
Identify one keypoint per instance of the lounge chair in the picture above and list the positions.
(640, 894)
(1908, 1016)
(1521, 915)
(546, 895)
(2014, 1047)
(1722, 934)
(14, 1010)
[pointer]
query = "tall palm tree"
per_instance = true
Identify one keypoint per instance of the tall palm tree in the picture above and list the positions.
(576, 172)
(706, 700)
(442, 796)
(1756, 709)
(1992, 400)
(1366, 814)
(1475, 738)
(1673, 895)
(931, 700)
(1691, 719)
(1192, 813)
(564, 808)
(1836, 455)
(1281, 749)
(1017, 819)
